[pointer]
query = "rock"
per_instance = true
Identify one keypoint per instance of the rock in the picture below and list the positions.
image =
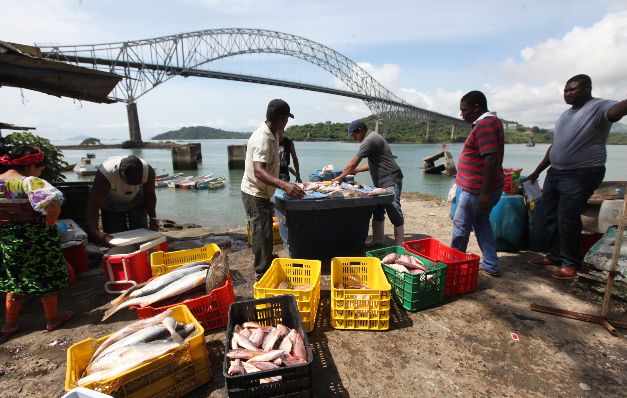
(584, 386)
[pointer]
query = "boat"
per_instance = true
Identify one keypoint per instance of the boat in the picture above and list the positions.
(85, 168)
(91, 155)
(209, 182)
(216, 185)
(531, 142)
(449, 164)
(69, 167)
(191, 183)
(167, 177)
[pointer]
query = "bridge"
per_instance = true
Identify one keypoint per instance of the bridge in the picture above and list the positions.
(146, 64)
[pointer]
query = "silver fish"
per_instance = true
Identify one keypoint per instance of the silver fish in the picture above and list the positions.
(270, 340)
(257, 337)
(284, 330)
(267, 356)
(286, 344)
(170, 324)
(250, 368)
(130, 329)
(182, 285)
(164, 280)
(242, 353)
(299, 348)
(124, 359)
(219, 269)
(244, 342)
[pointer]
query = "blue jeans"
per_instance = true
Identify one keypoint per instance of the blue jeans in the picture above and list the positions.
(565, 195)
(393, 209)
(467, 218)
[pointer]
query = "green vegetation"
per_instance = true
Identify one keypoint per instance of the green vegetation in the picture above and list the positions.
(53, 173)
(199, 133)
(617, 139)
(412, 130)
(91, 141)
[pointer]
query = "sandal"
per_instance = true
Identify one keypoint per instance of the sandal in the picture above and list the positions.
(61, 319)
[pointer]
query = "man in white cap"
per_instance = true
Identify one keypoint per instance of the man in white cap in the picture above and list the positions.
(261, 178)
(385, 173)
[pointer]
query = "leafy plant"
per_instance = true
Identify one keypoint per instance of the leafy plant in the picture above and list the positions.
(53, 173)
(91, 141)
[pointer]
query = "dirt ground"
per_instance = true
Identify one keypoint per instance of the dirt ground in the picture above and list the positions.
(461, 347)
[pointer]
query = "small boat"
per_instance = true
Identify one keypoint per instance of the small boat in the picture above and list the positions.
(204, 184)
(69, 167)
(191, 183)
(216, 185)
(85, 168)
(91, 155)
(167, 177)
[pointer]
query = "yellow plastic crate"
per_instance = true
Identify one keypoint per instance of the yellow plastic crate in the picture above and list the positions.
(296, 272)
(363, 309)
(171, 375)
(276, 237)
(162, 262)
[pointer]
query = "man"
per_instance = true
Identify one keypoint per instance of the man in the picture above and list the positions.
(124, 193)
(480, 177)
(385, 173)
(577, 159)
(261, 172)
(286, 148)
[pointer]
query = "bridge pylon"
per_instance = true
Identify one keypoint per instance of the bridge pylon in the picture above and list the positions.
(133, 122)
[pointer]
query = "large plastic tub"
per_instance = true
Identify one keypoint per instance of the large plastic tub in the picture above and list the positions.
(363, 309)
(462, 268)
(171, 375)
(325, 228)
(295, 380)
(414, 291)
(296, 272)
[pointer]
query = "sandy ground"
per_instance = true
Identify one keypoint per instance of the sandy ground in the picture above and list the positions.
(461, 347)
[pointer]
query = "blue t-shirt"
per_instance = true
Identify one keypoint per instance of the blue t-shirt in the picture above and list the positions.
(581, 135)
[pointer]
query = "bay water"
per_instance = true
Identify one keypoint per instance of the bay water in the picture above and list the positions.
(222, 209)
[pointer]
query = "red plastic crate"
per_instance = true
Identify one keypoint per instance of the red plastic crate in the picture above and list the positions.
(211, 310)
(463, 268)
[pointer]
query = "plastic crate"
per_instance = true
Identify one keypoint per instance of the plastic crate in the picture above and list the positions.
(211, 310)
(173, 374)
(462, 268)
(276, 236)
(295, 380)
(364, 309)
(162, 262)
(414, 291)
(296, 272)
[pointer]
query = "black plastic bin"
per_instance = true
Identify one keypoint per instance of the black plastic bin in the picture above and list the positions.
(295, 380)
(76, 196)
(325, 228)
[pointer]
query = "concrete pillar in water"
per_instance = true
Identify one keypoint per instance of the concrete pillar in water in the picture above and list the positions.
(184, 157)
(428, 129)
(452, 132)
(198, 148)
(133, 122)
(237, 156)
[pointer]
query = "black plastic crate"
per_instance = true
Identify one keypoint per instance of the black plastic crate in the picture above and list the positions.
(296, 380)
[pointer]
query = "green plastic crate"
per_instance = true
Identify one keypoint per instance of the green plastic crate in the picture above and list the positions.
(414, 291)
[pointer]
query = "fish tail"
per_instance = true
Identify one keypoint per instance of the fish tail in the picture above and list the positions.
(110, 312)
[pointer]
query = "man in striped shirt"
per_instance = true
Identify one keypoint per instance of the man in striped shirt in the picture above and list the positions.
(480, 177)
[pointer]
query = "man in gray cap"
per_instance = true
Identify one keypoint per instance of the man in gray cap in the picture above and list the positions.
(261, 178)
(385, 173)
(124, 193)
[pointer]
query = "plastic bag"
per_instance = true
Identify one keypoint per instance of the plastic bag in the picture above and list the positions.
(451, 193)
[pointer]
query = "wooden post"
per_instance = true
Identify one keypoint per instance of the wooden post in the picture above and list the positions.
(617, 246)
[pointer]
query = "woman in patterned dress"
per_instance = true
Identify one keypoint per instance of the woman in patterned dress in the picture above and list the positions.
(31, 258)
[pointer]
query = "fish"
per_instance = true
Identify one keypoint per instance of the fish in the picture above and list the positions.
(246, 333)
(398, 267)
(283, 285)
(265, 366)
(299, 347)
(303, 287)
(284, 330)
(187, 331)
(390, 258)
(250, 368)
(123, 359)
(251, 325)
(266, 356)
(377, 191)
(218, 272)
(184, 284)
(127, 292)
(236, 368)
(286, 343)
(270, 339)
(164, 280)
(195, 263)
(242, 353)
(245, 343)
(132, 328)
(257, 337)
(170, 324)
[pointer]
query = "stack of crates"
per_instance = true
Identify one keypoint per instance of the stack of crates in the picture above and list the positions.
(210, 309)
(173, 374)
(359, 308)
(462, 268)
(297, 273)
(414, 291)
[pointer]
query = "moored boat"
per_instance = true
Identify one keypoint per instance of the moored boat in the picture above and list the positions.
(85, 168)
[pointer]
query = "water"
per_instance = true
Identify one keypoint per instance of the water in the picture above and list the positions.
(222, 209)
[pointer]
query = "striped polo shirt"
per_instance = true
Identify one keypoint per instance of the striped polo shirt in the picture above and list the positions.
(486, 137)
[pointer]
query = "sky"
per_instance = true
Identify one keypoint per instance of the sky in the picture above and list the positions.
(519, 53)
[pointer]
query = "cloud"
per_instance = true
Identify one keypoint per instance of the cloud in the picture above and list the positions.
(531, 92)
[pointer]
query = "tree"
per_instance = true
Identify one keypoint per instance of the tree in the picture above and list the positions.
(54, 163)
(91, 141)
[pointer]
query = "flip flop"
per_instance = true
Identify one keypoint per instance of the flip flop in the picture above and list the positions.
(61, 319)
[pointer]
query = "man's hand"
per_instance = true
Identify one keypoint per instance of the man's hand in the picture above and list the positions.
(484, 202)
(338, 180)
(153, 224)
(298, 180)
(533, 176)
(294, 191)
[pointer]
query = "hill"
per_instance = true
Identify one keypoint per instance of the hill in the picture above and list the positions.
(199, 133)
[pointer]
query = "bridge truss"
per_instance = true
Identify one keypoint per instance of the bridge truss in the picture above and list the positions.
(145, 64)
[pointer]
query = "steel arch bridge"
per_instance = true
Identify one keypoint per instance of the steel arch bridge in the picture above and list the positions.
(145, 64)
